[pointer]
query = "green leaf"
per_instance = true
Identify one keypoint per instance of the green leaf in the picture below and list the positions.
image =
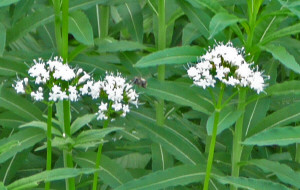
(282, 171)
(283, 56)
(90, 138)
(181, 94)
(81, 122)
(19, 105)
(180, 175)
(228, 117)
(80, 28)
(43, 16)
(189, 34)
(18, 142)
(46, 176)
(172, 143)
(285, 88)
(276, 136)
(110, 172)
(132, 16)
(10, 120)
(10, 67)
(279, 118)
(112, 45)
(251, 183)
(40, 125)
(176, 55)
(2, 38)
(7, 2)
(197, 16)
(220, 21)
(287, 31)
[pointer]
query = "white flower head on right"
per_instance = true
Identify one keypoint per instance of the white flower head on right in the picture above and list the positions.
(226, 64)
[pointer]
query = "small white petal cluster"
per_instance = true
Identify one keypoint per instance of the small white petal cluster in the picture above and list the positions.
(226, 64)
(49, 78)
(115, 90)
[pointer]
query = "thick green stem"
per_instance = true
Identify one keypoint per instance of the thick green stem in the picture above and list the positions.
(57, 25)
(237, 148)
(49, 147)
(213, 139)
(297, 157)
(68, 160)
(98, 159)
(161, 44)
(104, 21)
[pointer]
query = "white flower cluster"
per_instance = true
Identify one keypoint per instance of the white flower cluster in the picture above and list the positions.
(117, 93)
(49, 78)
(227, 64)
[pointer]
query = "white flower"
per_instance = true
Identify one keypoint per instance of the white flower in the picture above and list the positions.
(84, 78)
(73, 94)
(57, 94)
(226, 64)
(117, 106)
(39, 72)
(19, 86)
(101, 115)
(38, 95)
(103, 106)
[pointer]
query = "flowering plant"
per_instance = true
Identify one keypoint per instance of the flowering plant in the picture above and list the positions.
(48, 81)
(228, 65)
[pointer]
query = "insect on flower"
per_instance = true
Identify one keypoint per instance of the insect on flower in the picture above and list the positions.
(139, 81)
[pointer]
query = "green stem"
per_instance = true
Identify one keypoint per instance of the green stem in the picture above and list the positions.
(49, 147)
(57, 25)
(98, 159)
(161, 44)
(213, 139)
(104, 21)
(297, 157)
(68, 160)
(237, 148)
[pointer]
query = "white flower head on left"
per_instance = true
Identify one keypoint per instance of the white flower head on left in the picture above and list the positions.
(52, 81)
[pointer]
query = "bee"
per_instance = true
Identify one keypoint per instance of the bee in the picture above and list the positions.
(139, 81)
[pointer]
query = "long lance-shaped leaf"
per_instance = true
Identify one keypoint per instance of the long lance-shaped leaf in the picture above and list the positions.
(112, 45)
(132, 16)
(81, 28)
(285, 88)
(43, 16)
(173, 126)
(176, 55)
(2, 38)
(40, 125)
(18, 105)
(276, 136)
(10, 67)
(110, 171)
(282, 171)
(181, 94)
(280, 53)
(287, 31)
(251, 183)
(81, 122)
(46, 176)
(180, 175)
(18, 142)
(172, 143)
(93, 137)
(281, 117)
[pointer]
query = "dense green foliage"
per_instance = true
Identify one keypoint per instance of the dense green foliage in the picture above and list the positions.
(164, 143)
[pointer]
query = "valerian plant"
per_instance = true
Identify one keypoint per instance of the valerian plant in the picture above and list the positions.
(212, 115)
